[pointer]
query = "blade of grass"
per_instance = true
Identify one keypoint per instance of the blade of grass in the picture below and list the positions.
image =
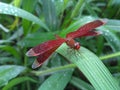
(8, 72)
(16, 81)
(92, 67)
(57, 81)
(49, 11)
(111, 38)
(82, 85)
(61, 68)
(28, 5)
(11, 50)
(11, 10)
(52, 70)
(90, 9)
(110, 56)
(77, 8)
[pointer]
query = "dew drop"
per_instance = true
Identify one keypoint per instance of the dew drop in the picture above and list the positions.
(16, 14)
(15, 10)
(10, 6)
(0, 10)
(49, 84)
(107, 31)
(6, 9)
(111, 40)
(12, 11)
(106, 34)
(4, 12)
(64, 75)
(57, 85)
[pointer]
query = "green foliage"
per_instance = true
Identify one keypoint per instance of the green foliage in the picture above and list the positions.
(87, 62)
(17, 81)
(10, 10)
(55, 82)
(81, 84)
(8, 72)
(27, 23)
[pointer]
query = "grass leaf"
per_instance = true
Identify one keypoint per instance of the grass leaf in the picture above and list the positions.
(92, 67)
(57, 81)
(11, 10)
(11, 50)
(81, 84)
(49, 11)
(16, 81)
(8, 72)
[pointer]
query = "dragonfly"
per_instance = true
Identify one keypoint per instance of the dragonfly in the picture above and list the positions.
(44, 50)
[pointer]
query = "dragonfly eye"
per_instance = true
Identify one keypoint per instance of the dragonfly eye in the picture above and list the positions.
(77, 45)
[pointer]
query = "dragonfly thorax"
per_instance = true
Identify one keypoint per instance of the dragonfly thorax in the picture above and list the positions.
(72, 44)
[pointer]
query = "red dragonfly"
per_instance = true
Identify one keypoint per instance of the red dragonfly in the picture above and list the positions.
(43, 51)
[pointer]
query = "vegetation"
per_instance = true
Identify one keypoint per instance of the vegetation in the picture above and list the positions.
(27, 23)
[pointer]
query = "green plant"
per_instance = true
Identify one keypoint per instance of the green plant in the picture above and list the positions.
(26, 23)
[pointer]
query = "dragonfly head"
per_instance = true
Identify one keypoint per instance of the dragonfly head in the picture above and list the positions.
(72, 44)
(76, 45)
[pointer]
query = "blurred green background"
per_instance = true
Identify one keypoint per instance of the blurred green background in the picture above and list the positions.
(27, 23)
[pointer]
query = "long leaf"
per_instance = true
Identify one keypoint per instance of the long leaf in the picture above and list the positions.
(113, 25)
(92, 67)
(17, 81)
(81, 84)
(77, 8)
(57, 81)
(111, 38)
(11, 10)
(8, 72)
(28, 5)
(50, 14)
(11, 50)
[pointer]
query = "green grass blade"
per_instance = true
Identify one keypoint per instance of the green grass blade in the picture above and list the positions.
(111, 38)
(28, 5)
(4, 60)
(11, 10)
(77, 8)
(11, 50)
(92, 67)
(90, 9)
(81, 84)
(17, 81)
(110, 56)
(8, 72)
(113, 25)
(50, 14)
(57, 81)
(53, 70)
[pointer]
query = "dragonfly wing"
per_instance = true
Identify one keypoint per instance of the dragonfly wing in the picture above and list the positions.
(92, 33)
(43, 57)
(44, 47)
(86, 28)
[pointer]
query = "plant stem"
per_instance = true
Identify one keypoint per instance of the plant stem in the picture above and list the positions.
(52, 70)
(60, 68)
(110, 56)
